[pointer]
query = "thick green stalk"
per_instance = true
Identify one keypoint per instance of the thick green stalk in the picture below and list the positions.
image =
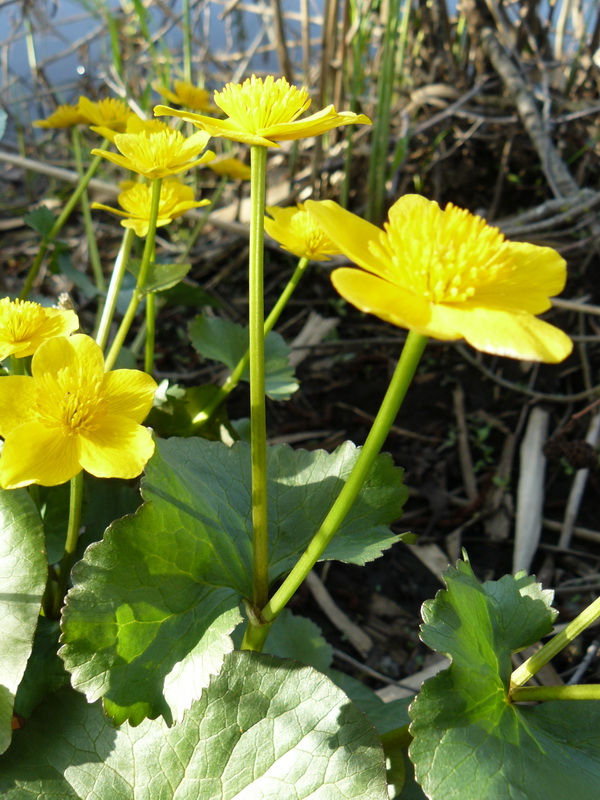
(239, 369)
(138, 292)
(17, 366)
(545, 693)
(114, 287)
(529, 668)
(58, 225)
(258, 419)
(75, 503)
(403, 375)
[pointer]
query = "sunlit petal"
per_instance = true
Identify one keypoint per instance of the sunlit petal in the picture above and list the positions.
(128, 392)
(120, 449)
(34, 453)
(17, 402)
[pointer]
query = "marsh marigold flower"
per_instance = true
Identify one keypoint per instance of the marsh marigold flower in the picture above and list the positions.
(299, 233)
(266, 112)
(24, 326)
(136, 200)
(449, 275)
(188, 95)
(231, 168)
(158, 155)
(110, 113)
(134, 124)
(65, 116)
(72, 415)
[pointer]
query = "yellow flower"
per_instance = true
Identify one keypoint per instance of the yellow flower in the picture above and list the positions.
(449, 275)
(188, 95)
(25, 325)
(65, 116)
(109, 113)
(299, 233)
(231, 168)
(158, 155)
(134, 124)
(265, 112)
(72, 415)
(175, 200)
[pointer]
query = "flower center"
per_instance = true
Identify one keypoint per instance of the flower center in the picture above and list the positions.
(20, 319)
(309, 233)
(255, 105)
(156, 149)
(71, 401)
(445, 256)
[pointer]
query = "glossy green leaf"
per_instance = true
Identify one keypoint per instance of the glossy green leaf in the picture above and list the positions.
(149, 600)
(23, 573)
(226, 341)
(45, 672)
(41, 220)
(160, 276)
(265, 728)
(469, 741)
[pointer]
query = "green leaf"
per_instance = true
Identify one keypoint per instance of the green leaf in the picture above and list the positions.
(160, 276)
(23, 573)
(293, 636)
(264, 728)
(226, 341)
(41, 220)
(180, 414)
(149, 597)
(190, 296)
(469, 741)
(144, 626)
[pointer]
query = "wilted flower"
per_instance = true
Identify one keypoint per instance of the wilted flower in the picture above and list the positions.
(299, 233)
(25, 325)
(136, 200)
(449, 275)
(157, 155)
(231, 168)
(65, 116)
(109, 113)
(186, 94)
(265, 112)
(72, 415)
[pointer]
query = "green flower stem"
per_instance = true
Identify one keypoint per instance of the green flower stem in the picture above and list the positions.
(405, 370)
(87, 218)
(114, 287)
(199, 226)
(258, 419)
(138, 292)
(17, 366)
(58, 225)
(150, 333)
(75, 503)
(236, 374)
(537, 693)
(529, 668)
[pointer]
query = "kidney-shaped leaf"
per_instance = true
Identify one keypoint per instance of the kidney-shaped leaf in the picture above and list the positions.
(23, 574)
(148, 619)
(470, 742)
(265, 729)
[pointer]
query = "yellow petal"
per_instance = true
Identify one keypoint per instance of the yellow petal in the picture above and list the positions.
(119, 449)
(72, 354)
(506, 333)
(351, 234)
(387, 301)
(36, 454)
(129, 393)
(17, 402)
(540, 273)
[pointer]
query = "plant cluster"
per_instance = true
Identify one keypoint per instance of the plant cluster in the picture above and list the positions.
(148, 649)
